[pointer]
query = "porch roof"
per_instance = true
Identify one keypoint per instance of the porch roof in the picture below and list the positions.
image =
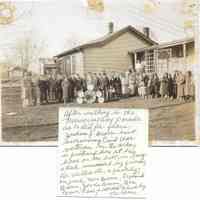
(165, 45)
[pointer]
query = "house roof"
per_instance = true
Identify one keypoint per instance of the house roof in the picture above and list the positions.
(109, 37)
(166, 44)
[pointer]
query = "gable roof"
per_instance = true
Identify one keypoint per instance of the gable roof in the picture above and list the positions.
(109, 37)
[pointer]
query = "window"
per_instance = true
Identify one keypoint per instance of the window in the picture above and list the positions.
(149, 57)
(177, 51)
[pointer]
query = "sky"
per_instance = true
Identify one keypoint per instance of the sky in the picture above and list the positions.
(55, 21)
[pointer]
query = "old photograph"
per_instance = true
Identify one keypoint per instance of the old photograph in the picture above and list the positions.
(98, 53)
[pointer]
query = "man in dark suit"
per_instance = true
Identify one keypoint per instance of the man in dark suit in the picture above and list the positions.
(105, 82)
(59, 92)
(43, 89)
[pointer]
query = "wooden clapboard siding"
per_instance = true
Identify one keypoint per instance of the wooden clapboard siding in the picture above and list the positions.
(114, 55)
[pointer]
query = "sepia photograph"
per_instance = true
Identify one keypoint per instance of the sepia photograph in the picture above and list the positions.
(98, 54)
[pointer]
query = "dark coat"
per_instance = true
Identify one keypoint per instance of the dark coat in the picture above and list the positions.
(118, 85)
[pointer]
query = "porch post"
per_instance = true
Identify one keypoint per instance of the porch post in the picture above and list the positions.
(145, 61)
(155, 55)
(184, 56)
(135, 60)
(71, 64)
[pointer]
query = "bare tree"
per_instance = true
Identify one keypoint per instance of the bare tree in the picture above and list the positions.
(26, 52)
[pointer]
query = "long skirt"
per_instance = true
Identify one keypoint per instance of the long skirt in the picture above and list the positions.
(180, 90)
(125, 89)
(132, 89)
(189, 89)
(142, 91)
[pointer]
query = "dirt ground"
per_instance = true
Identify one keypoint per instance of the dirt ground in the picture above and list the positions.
(169, 120)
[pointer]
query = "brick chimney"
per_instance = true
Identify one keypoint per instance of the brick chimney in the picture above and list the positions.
(146, 31)
(110, 27)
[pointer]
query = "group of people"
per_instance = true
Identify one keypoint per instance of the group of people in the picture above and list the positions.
(62, 88)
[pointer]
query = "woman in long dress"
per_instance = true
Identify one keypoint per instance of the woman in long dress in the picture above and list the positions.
(156, 85)
(125, 85)
(142, 88)
(65, 88)
(132, 84)
(122, 77)
(180, 85)
(164, 86)
(189, 86)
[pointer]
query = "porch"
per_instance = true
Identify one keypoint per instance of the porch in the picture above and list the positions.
(166, 57)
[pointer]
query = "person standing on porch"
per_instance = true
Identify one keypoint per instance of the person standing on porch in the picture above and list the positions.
(139, 67)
